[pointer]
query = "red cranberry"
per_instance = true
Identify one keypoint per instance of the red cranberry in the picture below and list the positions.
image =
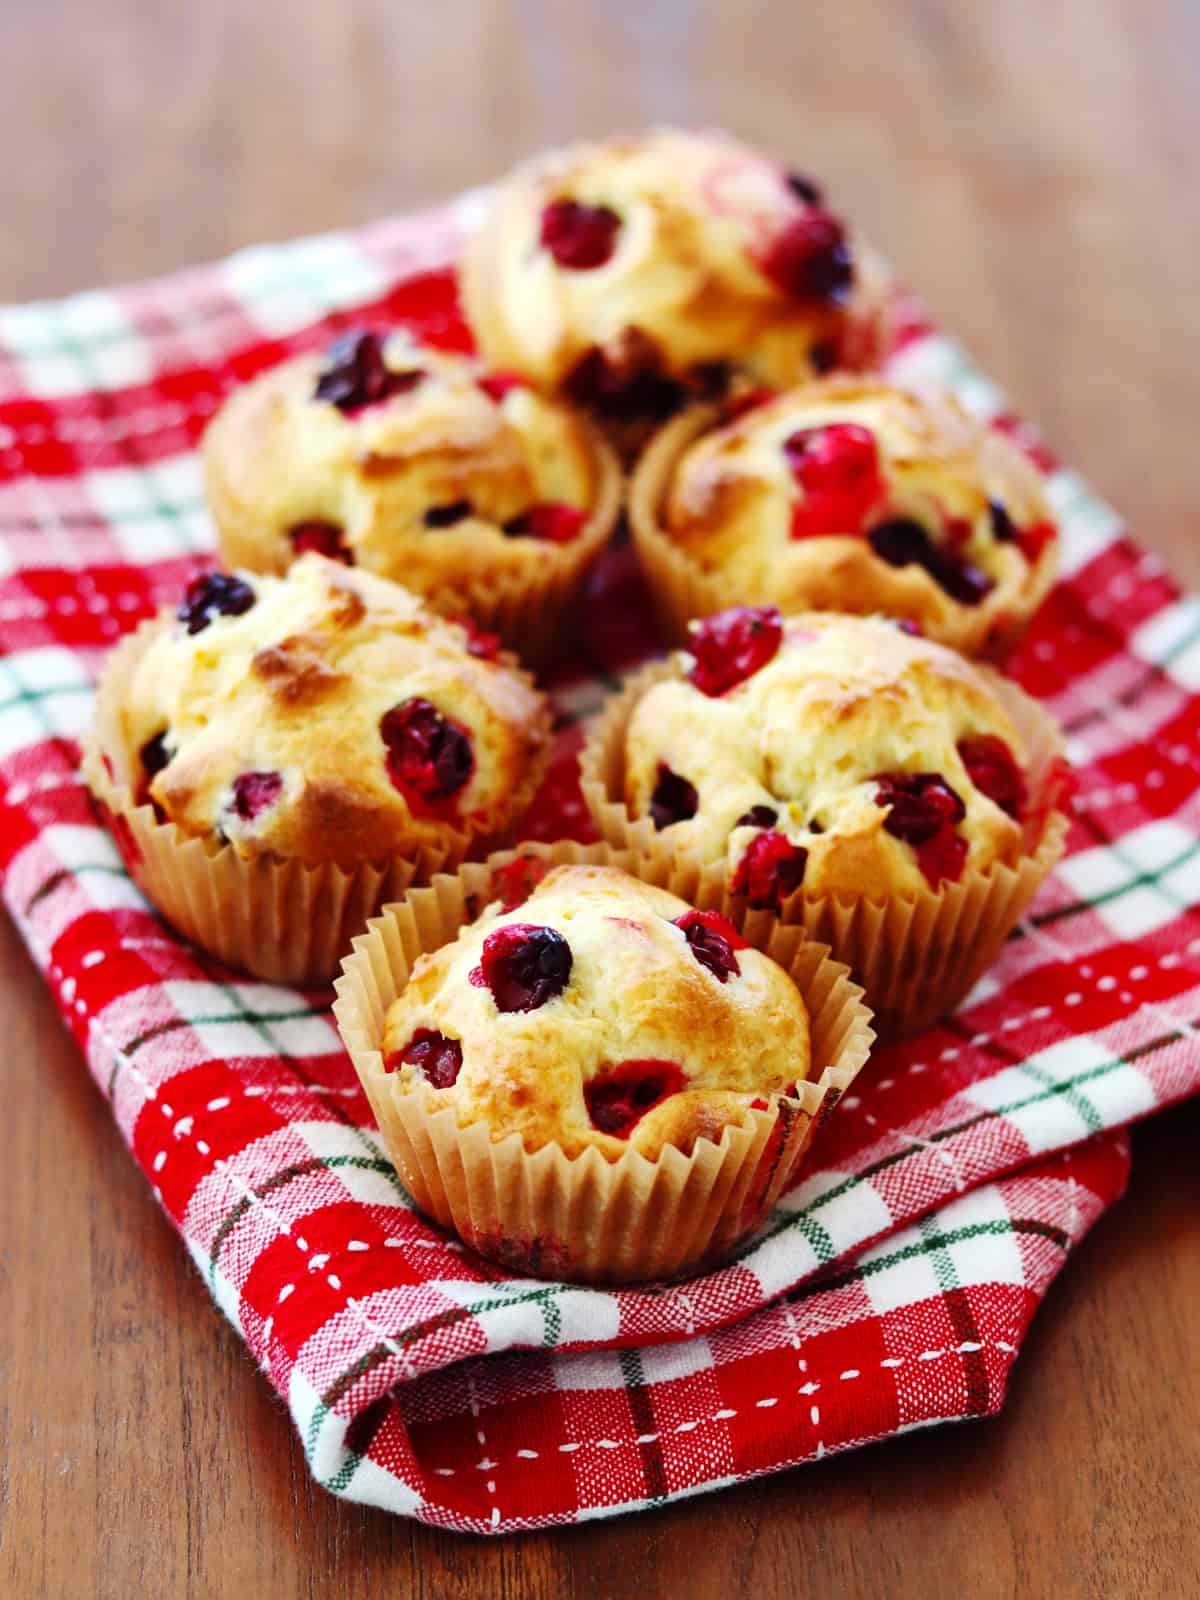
(439, 1058)
(524, 966)
(822, 356)
(674, 798)
(925, 812)
(155, 755)
(758, 817)
(485, 646)
(516, 880)
(810, 258)
(902, 542)
(632, 389)
(447, 515)
(910, 626)
(254, 792)
(214, 594)
(498, 384)
(428, 757)
(326, 538)
(994, 772)
(1004, 529)
(1035, 538)
(619, 1099)
(770, 871)
(803, 188)
(578, 236)
(732, 646)
(713, 939)
(553, 521)
(354, 373)
(837, 466)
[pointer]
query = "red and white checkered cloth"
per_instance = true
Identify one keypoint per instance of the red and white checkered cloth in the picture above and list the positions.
(891, 1289)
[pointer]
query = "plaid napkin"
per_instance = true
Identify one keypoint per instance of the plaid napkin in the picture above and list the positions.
(890, 1290)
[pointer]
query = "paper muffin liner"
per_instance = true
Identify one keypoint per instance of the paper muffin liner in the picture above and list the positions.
(586, 1218)
(682, 589)
(284, 920)
(526, 609)
(917, 954)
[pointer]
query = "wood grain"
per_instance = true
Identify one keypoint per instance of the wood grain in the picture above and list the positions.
(1031, 171)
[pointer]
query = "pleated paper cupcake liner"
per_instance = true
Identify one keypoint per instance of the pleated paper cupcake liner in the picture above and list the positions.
(916, 955)
(526, 609)
(683, 590)
(586, 1218)
(287, 921)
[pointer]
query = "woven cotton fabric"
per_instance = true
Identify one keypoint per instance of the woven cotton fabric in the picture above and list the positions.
(891, 1288)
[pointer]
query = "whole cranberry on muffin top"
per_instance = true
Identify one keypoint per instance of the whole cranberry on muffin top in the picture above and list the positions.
(326, 716)
(633, 272)
(601, 1012)
(840, 754)
(412, 462)
(856, 495)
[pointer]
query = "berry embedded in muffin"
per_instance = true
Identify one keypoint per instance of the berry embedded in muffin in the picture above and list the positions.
(837, 754)
(633, 273)
(412, 462)
(600, 1012)
(856, 495)
(327, 716)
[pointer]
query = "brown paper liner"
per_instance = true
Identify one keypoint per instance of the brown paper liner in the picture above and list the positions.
(586, 1218)
(284, 920)
(525, 609)
(683, 590)
(916, 955)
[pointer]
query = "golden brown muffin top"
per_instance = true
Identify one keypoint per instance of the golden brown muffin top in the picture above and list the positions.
(326, 716)
(602, 1012)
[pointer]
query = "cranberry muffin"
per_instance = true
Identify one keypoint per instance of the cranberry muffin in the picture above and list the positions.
(841, 773)
(849, 495)
(417, 464)
(601, 1081)
(635, 273)
(279, 752)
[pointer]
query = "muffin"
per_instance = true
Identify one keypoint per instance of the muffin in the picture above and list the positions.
(848, 495)
(325, 723)
(414, 463)
(638, 272)
(601, 1082)
(897, 800)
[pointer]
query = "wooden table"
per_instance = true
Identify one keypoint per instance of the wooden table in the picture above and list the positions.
(1031, 169)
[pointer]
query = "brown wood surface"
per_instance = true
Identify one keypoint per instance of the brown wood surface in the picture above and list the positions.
(1031, 168)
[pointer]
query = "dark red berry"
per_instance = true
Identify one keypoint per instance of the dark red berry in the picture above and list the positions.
(354, 373)
(924, 811)
(439, 1058)
(803, 188)
(254, 792)
(993, 770)
(619, 1098)
(822, 356)
(214, 594)
(910, 626)
(326, 538)
(630, 389)
(770, 871)
(1004, 529)
(1035, 538)
(902, 542)
(497, 384)
(810, 258)
(447, 515)
(155, 754)
(674, 798)
(733, 645)
(578, 236)
(516, 880)
(837, 466)
(485, 646)
(553, 521)
(524, 966)
(758, 817)
(713, 939)
(429, 757)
